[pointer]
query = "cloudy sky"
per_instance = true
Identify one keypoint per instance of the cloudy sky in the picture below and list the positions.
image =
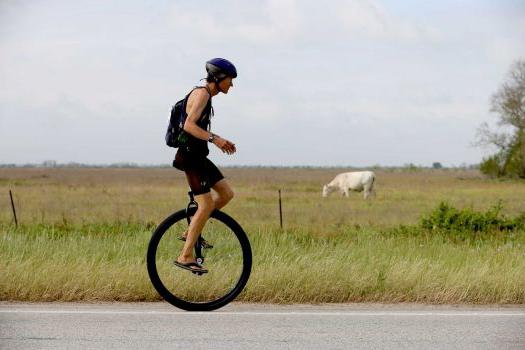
(343, 82)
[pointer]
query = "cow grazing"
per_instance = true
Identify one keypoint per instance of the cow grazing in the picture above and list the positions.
(352, 181)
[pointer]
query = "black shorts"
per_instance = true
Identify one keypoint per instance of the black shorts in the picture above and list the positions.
(201, 173)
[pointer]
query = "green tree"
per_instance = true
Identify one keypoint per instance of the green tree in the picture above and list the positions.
(509, 104)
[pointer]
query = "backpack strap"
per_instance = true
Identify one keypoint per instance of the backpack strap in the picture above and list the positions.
(202, 87)
(212, 112)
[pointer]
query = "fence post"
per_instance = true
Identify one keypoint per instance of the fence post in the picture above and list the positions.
(13, 207)
(280, 211)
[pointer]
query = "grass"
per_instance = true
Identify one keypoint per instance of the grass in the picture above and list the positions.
(84, 233)
(108, 263)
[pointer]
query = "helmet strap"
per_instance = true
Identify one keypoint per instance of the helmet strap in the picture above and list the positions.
(217, 81)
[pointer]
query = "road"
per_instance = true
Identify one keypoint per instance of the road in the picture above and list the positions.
(257, 326)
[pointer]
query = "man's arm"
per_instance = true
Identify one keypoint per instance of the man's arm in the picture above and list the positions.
(197, 102)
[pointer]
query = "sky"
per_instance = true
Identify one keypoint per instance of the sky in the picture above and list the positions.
(338, 83)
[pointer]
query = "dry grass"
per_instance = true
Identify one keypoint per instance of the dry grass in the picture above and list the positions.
(147, 195)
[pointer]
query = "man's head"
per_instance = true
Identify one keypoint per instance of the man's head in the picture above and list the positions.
(221, 72)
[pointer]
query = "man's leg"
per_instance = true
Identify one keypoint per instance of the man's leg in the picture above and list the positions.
(206, 206)
(224, 193)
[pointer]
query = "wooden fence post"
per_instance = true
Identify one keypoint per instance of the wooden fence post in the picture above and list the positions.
(280, 211)
(13, 207)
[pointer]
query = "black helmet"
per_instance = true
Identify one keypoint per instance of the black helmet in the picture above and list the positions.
(220, 68)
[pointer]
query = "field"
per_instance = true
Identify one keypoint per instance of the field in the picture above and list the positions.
(83, 235)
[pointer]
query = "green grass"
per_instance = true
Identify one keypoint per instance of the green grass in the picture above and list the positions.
(84, 235)
(295, 266)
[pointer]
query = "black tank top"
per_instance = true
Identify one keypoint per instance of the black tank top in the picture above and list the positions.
(194, 146)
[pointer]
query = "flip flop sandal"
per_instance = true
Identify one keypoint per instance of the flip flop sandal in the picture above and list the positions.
(191, 267)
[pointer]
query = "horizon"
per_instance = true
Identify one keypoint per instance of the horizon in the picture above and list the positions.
(57, 165)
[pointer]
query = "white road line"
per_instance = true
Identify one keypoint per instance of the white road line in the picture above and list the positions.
(251, 313)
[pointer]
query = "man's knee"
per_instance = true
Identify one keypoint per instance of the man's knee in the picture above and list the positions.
(224, 192)
(228, 195)
(205, 202)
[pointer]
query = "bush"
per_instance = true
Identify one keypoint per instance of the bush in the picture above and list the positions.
(447, 218)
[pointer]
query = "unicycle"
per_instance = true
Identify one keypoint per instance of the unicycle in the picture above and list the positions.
(222, 248)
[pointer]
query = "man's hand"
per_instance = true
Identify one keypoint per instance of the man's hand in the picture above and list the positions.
(224, 145)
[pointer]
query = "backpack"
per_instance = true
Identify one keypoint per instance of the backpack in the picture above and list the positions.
(175, 135)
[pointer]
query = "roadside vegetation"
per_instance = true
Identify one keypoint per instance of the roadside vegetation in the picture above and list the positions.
(429, 236)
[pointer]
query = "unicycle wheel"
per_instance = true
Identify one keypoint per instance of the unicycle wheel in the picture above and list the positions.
(228, 263)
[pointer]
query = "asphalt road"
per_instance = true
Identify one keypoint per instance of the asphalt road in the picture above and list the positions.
(256, 326)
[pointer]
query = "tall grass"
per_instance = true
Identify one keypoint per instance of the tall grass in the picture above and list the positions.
(84, 236)
(108, 263)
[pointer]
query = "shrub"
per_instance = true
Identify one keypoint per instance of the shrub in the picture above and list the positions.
(447, 218)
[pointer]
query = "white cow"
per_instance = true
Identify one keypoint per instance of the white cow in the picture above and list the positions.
(355, 181)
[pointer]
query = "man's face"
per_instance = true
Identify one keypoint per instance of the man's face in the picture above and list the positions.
(225, 84)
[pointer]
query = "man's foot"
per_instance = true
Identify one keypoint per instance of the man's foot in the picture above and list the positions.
(191, 266)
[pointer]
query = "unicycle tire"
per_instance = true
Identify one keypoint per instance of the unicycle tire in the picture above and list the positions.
(229, 262)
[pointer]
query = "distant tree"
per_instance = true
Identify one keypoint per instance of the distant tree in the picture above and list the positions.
(411, 167)
(49, 163)
(491, 166)
(509, 103)
(437, 165)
